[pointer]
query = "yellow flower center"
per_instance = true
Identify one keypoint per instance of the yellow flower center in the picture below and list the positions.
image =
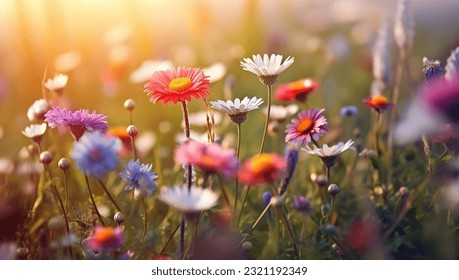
(180, 84)
(262, 164)
(105, 235)
(305, 125)
(378, 101)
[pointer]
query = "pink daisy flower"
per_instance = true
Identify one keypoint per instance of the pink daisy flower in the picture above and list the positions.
(261, 169)
(210, 158)
(78, 121)
(309, 126)
(177, 85)
(106, 238)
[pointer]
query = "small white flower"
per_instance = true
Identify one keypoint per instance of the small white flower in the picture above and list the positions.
(237, 106)
(35, 131)
(37, 111)
(332, 151)
(281, 113)
(57, 83)
(148, 67)
(267, 68)
(215, 72)
(188, 201)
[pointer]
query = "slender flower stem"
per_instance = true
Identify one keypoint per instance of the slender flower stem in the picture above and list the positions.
(267, 119)
(290, 231)
(377, 126)
(244, 200)
(92, 200)
(327, 173)
(169, 240)
(257, 222)
(188, 177)
(130, 117)
(66, 191)
(238, 149)
(134, 150)
(332, 203)
(225, 194)
(109, 195)
(145, 216)
(64, 213)
(182, 239)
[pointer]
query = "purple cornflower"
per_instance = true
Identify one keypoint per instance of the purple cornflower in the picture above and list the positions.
(78, 121)
(432, 69)
(303, 205)
(139, 177)
(291, 156)
(95, 154)
(348, 111)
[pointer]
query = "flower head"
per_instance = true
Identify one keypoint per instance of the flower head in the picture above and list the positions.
(303, 205)
(35, 132)
(188, 202)
(237, 109)
(432, 69)
(106, 239)
(310, 125)
(57, 83)
(378, 102)
(267, 68)
(328, 154)
(38, 110)
(78, 121)
(348, 111)
(95, 154)
(139, 177)
(177, 85)
(297, 90)
(452, 65)
(291, 157)
(210, 158)
(262, 169)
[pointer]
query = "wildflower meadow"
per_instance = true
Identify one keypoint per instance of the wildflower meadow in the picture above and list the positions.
(235, 130)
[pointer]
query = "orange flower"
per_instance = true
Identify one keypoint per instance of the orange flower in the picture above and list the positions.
(177, 85)
(378, 102)
(120, 133)
(261, 169)
(298, 90)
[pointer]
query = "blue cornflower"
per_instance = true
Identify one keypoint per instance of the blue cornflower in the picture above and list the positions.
(139, 177)
(291, 156)
(95, 154)
(432, 69)
(349, 111)
(266, 196)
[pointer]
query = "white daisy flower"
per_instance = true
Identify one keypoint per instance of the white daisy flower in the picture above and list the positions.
(281, 113)
(237, 109)
(328, 154)
(35, 131)
(267, 68)
(57, 83)
(188, 202)
(38, 110)
(146, 70)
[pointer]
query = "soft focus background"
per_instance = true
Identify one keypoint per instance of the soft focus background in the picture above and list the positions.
(100, 43)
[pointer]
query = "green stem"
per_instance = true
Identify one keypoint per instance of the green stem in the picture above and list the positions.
(189, 179)
(244, 200)
(257, 222)
(238, 149)
(92, 200)
(134, 150)
(267, 119)
(66, 190)
(109, 195)
(225, 194)
(145, 216)
(169, 240)
(64, 213)
(332, 203)
(290, 231)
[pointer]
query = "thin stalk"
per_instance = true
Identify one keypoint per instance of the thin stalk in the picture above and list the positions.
(66, 187)
(92, 200)
(64, 213)
(267, 119)
(189, 179)
(327, 173)
(130, 117)
(169, 240)
(134, 150)
(378, 150)
(109, 195)
(182, 239)
(243, 204)
(332, 203)
(238, 149)
(256, 222)
(290, 231)
(145, 216)
(225, 194)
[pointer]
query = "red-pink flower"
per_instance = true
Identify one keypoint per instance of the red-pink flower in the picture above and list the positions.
(106, 238)
(298, 90)
(261, 169)
(378, 102)
(211, 158)
(310, 125)
(177, 85)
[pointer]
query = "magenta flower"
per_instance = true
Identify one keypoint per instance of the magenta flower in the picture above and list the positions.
(78, 121)
(309, 126)
(210, 158)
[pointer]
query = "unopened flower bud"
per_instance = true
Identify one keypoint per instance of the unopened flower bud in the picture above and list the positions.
(321, 181)
(63, 164)
(46, 157)
(129, 104)
(119, 218)
(132, 131)
(333, 190)
(403, 192)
